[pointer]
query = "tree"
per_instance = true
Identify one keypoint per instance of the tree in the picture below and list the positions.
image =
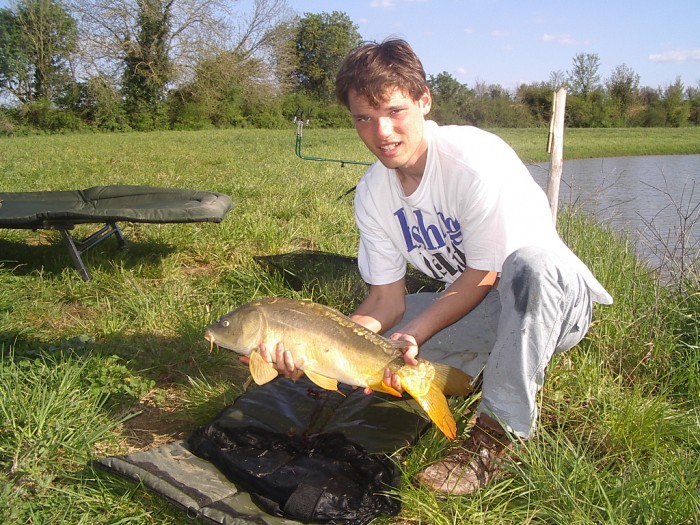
(36, 40)
(653, 114)
(263, 31)
(124, 41)
(15, 64)
(225, 92)
(450, 99)
(147, 63)
(693, 94)
(677, 110)
(321, 43)
(623, 90)
(538, 99)
(100, 105)
(557, 79)
(109, 30)
(447, 87)
(236, 83)
(583, 78)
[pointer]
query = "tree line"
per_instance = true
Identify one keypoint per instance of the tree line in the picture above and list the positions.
(120, 65)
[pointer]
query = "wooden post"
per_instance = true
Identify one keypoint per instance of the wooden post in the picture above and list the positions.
(555, 147)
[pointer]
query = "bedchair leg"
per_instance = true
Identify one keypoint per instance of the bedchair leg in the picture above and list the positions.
(78, 247)
(75, 255)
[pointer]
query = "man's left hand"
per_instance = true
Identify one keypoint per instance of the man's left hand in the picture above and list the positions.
(410, 357)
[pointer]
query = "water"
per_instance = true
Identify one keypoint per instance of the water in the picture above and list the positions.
(653, 199)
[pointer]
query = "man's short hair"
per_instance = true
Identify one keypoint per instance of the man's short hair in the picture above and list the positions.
(372, 69)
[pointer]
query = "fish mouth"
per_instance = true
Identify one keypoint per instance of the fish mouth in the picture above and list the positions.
(210, 337)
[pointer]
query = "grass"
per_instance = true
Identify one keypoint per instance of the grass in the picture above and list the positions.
(118, 364)
(581, 143)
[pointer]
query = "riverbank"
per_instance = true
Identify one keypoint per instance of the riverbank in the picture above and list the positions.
(119, 363)
(580, 143)
(343, 144)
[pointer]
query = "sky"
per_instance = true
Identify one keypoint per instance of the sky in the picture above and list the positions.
(510, 42)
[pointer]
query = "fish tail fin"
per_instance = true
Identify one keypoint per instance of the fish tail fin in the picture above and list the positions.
(452, 381)
(435, 405)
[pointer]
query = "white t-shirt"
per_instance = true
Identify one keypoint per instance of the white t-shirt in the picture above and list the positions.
(475, 205)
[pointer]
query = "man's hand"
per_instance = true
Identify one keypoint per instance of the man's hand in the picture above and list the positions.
(281, 359)
(410, 355)
(410, 352)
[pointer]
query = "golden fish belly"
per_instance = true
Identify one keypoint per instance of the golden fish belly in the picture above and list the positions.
(354, 362)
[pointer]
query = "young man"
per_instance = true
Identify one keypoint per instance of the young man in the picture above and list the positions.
(458, 204)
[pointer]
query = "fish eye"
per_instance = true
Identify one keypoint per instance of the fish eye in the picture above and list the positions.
(225, 323)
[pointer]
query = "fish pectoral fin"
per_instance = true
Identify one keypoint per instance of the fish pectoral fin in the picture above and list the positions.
(435, 405)
(387, 389)
(261, 371)
(325, 382)
(452, 381)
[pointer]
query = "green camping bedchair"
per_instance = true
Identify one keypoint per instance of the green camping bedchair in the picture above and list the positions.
(62, 210)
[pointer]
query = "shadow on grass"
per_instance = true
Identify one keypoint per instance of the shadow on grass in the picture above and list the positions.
(25, 258)
(333, 276)
(165, 386)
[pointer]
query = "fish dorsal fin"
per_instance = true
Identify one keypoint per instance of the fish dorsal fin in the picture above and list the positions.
(343, 320)
(452, 381)
(435, 404)
(399, 344)
(261, 371)
(325, 382)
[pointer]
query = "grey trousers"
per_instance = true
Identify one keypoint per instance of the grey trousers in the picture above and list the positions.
(541, 306)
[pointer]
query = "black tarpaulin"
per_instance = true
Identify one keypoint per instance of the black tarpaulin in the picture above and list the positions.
(284, 453)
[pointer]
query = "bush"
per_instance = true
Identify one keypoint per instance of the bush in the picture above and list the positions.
(44, 116)
(7, 124)
(189, 116)
(322, 114)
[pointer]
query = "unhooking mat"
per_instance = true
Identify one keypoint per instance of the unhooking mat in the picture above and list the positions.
(285, 453)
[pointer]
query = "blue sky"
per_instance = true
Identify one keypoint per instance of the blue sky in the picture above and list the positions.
(509, 42)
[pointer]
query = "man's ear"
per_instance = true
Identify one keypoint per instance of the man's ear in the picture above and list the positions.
(425, 101)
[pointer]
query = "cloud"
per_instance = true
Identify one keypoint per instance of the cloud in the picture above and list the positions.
(390, 4)
(677, 55)
(383, 4)
(563, 38)
(499, 33)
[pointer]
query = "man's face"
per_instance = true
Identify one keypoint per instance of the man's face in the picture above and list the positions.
(393, 131)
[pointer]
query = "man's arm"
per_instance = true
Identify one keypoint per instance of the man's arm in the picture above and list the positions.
(383, 307)
(458, 300)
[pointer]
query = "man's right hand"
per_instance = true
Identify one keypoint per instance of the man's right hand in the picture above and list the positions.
(281, 359)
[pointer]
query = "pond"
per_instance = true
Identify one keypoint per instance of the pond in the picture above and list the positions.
(653, 199)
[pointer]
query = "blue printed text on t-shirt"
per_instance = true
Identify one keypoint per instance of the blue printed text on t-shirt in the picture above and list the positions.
(439, 244)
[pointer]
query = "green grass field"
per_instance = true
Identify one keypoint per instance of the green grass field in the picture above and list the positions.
(119, 363)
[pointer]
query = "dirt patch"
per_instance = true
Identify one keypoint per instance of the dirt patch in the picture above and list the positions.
(156, 423)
